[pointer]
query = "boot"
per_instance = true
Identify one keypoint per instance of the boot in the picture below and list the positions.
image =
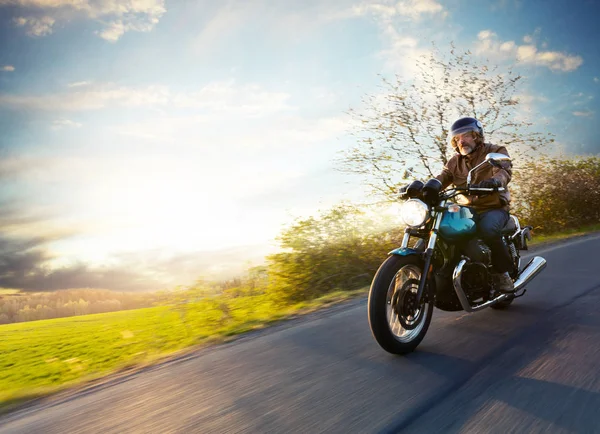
(503, 282)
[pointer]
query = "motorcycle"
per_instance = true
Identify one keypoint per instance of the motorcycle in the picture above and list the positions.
(446, 265)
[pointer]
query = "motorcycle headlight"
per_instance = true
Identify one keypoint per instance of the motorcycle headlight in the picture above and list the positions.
(414, 213)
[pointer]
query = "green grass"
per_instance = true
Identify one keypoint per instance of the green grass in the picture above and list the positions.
(41, 357)
(569, 233)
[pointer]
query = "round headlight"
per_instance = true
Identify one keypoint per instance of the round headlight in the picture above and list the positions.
(414, 213)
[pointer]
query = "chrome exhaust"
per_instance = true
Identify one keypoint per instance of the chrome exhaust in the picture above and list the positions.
(462, 297)
(535, 266)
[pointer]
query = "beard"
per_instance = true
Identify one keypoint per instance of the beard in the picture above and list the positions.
(466, 150)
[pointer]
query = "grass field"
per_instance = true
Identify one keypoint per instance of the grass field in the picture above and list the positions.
(40, 357)
(542, 239)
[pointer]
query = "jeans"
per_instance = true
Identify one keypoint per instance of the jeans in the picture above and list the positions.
(490, 230)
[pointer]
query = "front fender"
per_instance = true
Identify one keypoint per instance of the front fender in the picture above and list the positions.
(404, 251)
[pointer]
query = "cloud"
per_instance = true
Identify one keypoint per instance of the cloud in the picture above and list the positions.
(217, 97)
(64, 123)
(24, 264)
(399, 22)
(8, 68)
(586, 114)
(35, 240)
(411, 9)
(36, 26)
(529, 98)
(489, 45)
(116, 17)
(596, 79)
(79, 83)
(95, 98)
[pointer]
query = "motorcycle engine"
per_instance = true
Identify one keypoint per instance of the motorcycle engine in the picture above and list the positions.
(475, 281)
(475, 277)
(478, 251)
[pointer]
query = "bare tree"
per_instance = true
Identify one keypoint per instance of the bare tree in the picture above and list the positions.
(402, 131)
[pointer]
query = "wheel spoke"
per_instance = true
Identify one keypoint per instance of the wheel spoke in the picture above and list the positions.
(405, 274)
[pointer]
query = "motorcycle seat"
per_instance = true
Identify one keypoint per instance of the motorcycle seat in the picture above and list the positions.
(510, 227)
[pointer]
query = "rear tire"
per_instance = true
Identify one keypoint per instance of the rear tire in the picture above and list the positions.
(396, 323)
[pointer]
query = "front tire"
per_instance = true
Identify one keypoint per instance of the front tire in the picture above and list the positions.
(397, 324)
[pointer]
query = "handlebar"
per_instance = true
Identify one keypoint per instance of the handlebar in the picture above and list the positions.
(471, 191)
(447, 194)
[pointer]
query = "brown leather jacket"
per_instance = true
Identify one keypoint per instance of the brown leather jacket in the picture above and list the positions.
(457, 169)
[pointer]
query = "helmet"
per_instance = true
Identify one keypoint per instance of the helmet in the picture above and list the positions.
(464, 125)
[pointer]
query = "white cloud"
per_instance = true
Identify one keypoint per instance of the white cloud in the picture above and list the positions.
(226, 97)
(113, 31)
(36, 26)
(283, 130)
(91, 98)
(117, 17)
(526, 98)
(528, 53)
(586, 114)
(59, 124)
(79, 83)
(8, 68)
(529, 105)
(596, 79)
(413, 9)
(399, 22)
(485, 34)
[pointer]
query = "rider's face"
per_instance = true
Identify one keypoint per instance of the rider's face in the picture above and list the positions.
(465, 143)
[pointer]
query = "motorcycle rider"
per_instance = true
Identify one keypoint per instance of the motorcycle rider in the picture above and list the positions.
(467, 139)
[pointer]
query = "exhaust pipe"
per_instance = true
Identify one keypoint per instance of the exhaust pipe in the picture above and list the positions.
(535, 266)
(462, 297)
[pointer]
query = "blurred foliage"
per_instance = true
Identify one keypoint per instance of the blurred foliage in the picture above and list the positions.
(340, 249)
(557, 194)
(31, 306)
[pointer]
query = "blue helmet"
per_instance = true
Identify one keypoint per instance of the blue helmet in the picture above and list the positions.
(464, 125)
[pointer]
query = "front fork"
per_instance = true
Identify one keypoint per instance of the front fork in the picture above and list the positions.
(428, 255)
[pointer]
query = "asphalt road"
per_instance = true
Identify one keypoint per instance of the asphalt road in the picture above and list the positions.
(532, 368)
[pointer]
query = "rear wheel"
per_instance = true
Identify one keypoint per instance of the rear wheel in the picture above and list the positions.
(397, 322)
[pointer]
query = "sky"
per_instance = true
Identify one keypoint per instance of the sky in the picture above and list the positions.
(149, 143)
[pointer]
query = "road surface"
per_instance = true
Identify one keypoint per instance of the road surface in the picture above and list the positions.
(532, 368)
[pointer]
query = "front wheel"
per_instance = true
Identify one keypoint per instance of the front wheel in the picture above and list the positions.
(397, 323)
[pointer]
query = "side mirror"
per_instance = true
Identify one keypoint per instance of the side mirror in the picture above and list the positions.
(495, 156)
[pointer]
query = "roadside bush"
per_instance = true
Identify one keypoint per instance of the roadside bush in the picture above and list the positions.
(340, 249)
(557, 194)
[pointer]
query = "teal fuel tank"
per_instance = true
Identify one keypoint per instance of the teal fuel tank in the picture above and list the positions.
(459, 224)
